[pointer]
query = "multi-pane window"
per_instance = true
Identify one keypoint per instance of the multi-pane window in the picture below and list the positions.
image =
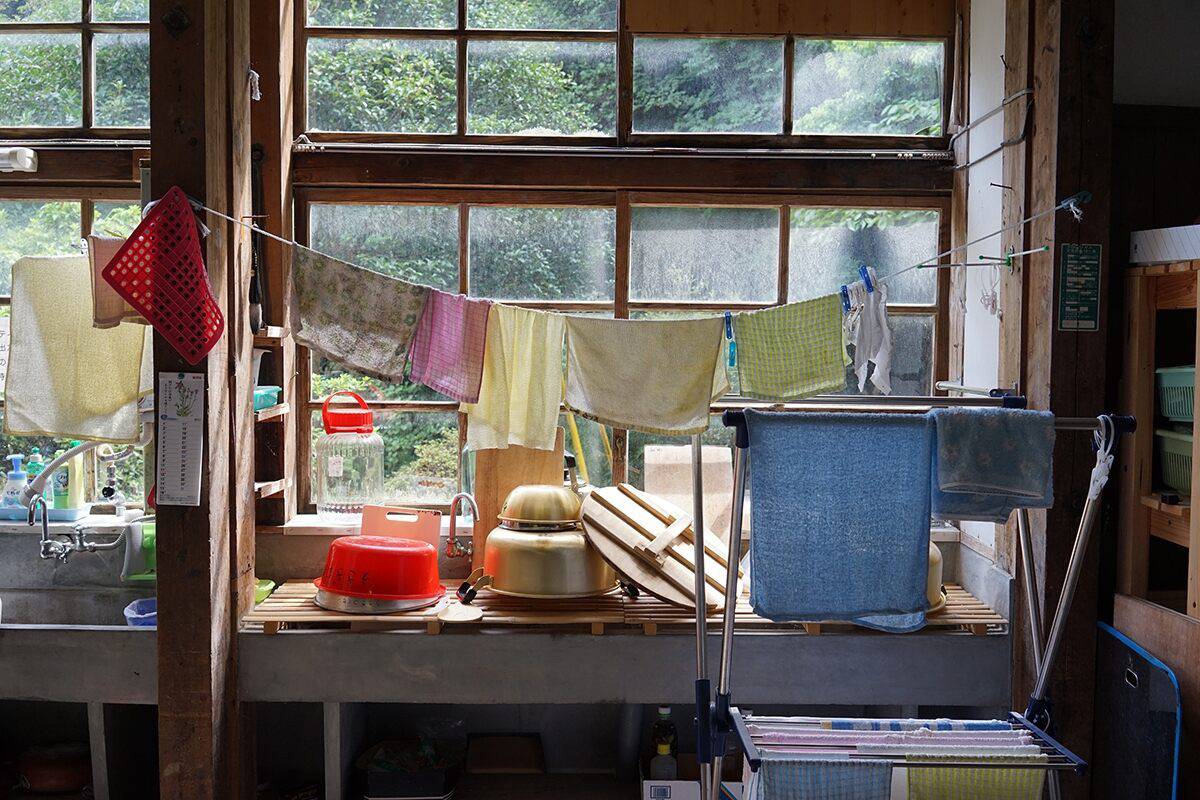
(77, 66)
(553, 69)
(37, 227)
(683, 255)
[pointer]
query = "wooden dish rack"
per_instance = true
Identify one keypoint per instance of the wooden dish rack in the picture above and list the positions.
(292, 607)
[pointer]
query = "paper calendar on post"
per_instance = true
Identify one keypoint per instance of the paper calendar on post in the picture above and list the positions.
(180, 438)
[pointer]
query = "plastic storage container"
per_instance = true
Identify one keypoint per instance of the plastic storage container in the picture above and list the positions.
(142, 613)
(1176, 392)
(1175, 458)
(349, 461)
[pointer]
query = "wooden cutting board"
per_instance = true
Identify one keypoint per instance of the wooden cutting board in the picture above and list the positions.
(622, 522)
(498, 472)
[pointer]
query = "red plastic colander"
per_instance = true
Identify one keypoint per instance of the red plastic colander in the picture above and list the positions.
(160, 272)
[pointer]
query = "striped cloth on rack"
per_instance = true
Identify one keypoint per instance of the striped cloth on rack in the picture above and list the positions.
(940, 724)
(794, 776)
(791, 351)
(359, 318)
(977, 783)
(447, 350)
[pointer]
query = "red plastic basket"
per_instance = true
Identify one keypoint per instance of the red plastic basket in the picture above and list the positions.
(160, 272)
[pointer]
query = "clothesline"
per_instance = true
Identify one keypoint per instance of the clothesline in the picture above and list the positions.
(1071, 204)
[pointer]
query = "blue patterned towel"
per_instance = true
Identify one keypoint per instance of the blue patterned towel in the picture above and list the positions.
(940, 724)
(990, 461)
(840, 514)
(794, 776)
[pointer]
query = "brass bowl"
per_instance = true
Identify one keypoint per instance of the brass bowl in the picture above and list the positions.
(542, 506)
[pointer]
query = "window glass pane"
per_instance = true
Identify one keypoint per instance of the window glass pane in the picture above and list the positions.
(543, 14)
(40, 11)
(709, 254)
(543, 253)
(867, 87)
(383, 13)
(542, 88)
(416, 243)
(35, 228)
(707, 85)
(401, 85)
(595, 442)
(123, 80)
(44, 76)
(116, 219)
(912, 354)
(420, 455)
(329, 377)
(827, 245)
(662, 465)
(120, 10)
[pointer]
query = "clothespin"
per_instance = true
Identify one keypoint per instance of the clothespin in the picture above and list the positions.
(729, 338)
(845, 299)
(866, 278)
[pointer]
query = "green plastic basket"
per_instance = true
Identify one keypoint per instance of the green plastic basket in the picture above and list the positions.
(1176, 392)
(1175, 458)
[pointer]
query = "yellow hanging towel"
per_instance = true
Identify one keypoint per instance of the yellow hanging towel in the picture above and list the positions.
(522, 381)
(67, 378)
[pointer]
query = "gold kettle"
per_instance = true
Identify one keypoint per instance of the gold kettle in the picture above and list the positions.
(539, 549)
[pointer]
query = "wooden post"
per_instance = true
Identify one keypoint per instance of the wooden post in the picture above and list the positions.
(1069, 149)
(199, 57)
(272, 53)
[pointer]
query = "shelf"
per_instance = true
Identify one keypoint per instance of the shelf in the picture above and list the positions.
(1181, 510)
(264, 489)
(270, 336)
(1156, 270)
(277, 411)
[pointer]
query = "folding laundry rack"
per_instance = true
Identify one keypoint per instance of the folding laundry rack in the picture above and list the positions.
(716, 716)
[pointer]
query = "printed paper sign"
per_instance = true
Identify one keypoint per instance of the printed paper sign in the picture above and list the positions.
(5, 339)
(180, 444)
(1079, 288)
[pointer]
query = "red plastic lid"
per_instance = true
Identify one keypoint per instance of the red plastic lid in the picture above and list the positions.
(347, 419)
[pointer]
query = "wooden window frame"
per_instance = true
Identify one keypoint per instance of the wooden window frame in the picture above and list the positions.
(623, 201)
(87, 30)
(624, 135)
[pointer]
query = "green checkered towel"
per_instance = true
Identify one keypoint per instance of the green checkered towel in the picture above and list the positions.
(792, 351)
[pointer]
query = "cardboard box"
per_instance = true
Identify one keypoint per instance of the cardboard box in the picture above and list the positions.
(688, 785)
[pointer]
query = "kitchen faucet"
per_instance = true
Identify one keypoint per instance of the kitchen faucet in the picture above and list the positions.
(455, 548)
(77, 541)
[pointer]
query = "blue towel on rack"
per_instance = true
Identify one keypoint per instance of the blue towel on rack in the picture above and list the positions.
(940, 724)
(991, 460)
(793, 776)
(840, 515)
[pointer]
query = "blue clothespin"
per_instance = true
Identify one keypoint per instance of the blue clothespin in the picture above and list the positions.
(845, 299)
(866, 278)
(729, 337)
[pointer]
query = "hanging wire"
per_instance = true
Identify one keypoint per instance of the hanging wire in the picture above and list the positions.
(1071, 204)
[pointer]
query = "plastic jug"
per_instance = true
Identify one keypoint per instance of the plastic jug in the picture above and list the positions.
(349, 461)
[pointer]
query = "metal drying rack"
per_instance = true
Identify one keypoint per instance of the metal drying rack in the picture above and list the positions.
(717, 718)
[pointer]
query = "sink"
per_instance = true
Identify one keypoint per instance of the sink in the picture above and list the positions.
(68, 605)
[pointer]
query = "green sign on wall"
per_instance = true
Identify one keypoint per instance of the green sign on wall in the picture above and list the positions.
(1079, 288)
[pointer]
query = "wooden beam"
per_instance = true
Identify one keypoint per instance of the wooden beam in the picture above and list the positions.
(959, 110)
(609, 169)
(272, 51)
(1065, 371)
(881, 18)
(1136, 467)
(77, 166)
(200, 138)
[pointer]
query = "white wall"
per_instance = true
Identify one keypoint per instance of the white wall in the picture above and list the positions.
(1157, 61)
(981, 346)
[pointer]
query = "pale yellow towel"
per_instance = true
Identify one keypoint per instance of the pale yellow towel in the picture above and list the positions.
(522, 381)
(108, 307)
(66, 378)
(657, 376)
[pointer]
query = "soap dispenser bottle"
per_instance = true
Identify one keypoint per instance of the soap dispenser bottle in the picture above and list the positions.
(15, 485)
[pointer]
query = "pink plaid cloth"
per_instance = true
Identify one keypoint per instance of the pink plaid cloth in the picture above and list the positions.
(447, 351)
